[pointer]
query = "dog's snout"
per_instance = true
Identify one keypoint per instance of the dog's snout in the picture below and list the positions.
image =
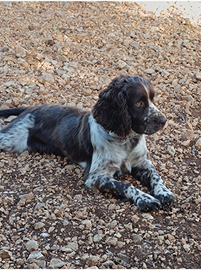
(162, 120)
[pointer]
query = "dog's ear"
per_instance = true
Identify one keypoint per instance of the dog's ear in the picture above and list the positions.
(111, 110)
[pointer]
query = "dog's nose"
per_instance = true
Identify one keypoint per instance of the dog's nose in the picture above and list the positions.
(162, 120)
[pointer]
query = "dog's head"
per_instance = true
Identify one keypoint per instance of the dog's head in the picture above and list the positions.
(127, 103)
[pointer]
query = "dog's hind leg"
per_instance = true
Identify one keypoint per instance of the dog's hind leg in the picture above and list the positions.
(13, 138)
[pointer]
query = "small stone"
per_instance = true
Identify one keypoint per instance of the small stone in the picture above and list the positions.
(78, 197)
(73, 64)
(87, 92)
(21, 202)
(134, 45)
(147, 216)
(98, 237)
(127, 42)
(33, 266)
(28, 196)
(6, 254)
(187, 134)
(47, 77)
(198, 200)
(20, 52)
(39, 225)
(35, 255)
(87, 223)
(66, 249)
(112, 241)
(73, 245)
(121, 64)
(174, 82)
(198, 76)
(186, 143)
(41, 263)
(39, 205)
(93, 260)
(44, 234)
(120, 244)
(31, 245)
(124, 257)
(171, 150)
(9, 83)
(112, 206)
(136, 238)
(149, 71)
(56, 263)
(4, 49)
(135, 219)
(198, 143)
(186, 247)
(20, 261)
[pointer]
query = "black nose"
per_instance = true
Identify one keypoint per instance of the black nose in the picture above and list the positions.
(162, 120)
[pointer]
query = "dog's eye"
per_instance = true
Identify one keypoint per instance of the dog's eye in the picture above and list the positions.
(139, 104)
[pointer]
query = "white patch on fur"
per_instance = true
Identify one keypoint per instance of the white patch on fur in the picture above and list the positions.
(16, 135)
(83, 164)
(111, 153)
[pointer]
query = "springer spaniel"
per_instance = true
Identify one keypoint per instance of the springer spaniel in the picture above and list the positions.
(107, 141)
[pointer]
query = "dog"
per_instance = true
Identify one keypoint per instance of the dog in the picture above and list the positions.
(107, 141)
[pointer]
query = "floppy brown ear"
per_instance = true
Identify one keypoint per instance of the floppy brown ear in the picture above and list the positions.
(111, 110)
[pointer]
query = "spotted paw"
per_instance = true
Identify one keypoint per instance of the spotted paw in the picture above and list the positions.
(148, 203)
(164, 195)
(166, 199)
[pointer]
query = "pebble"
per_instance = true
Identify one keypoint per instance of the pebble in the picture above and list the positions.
(136, 238)
(47, 77)
(73, 245)
(27, 197)
(149, 71)
(135, 219)
(198, 76)
(73, 64)
(198, 200)
(198, 143)
(87, 223)
(98, 237)
(31, 245)
(93, 260)
(186, 247)
(9, 83)
(5, 254)
(171, 150)
(147, 216)
(44, 234)
(112, 241)
(20, 52)
(35, 255)
(121, 64)
(39, 225)
(56, 263)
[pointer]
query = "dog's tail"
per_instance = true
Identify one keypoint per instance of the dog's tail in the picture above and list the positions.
(12, 111)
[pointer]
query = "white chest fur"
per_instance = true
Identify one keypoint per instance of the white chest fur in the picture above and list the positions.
(114, 154)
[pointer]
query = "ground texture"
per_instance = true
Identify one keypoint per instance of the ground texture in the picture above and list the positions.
(66, 52)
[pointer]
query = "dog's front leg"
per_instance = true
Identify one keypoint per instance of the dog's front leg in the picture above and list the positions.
(147, 174)
(107, 184)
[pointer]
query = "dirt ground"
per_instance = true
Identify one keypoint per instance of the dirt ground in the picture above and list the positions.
(66, 53)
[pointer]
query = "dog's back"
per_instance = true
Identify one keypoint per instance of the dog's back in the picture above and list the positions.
(48, 129)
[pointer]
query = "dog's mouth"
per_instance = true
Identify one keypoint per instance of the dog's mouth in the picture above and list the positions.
(152, 126)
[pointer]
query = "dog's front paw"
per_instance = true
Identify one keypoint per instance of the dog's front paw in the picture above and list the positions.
(146, 202)
(164, 195)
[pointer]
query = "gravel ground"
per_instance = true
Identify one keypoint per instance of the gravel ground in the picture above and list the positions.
(65, 52)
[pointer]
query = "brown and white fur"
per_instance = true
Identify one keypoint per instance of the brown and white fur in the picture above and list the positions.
(108, 141)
